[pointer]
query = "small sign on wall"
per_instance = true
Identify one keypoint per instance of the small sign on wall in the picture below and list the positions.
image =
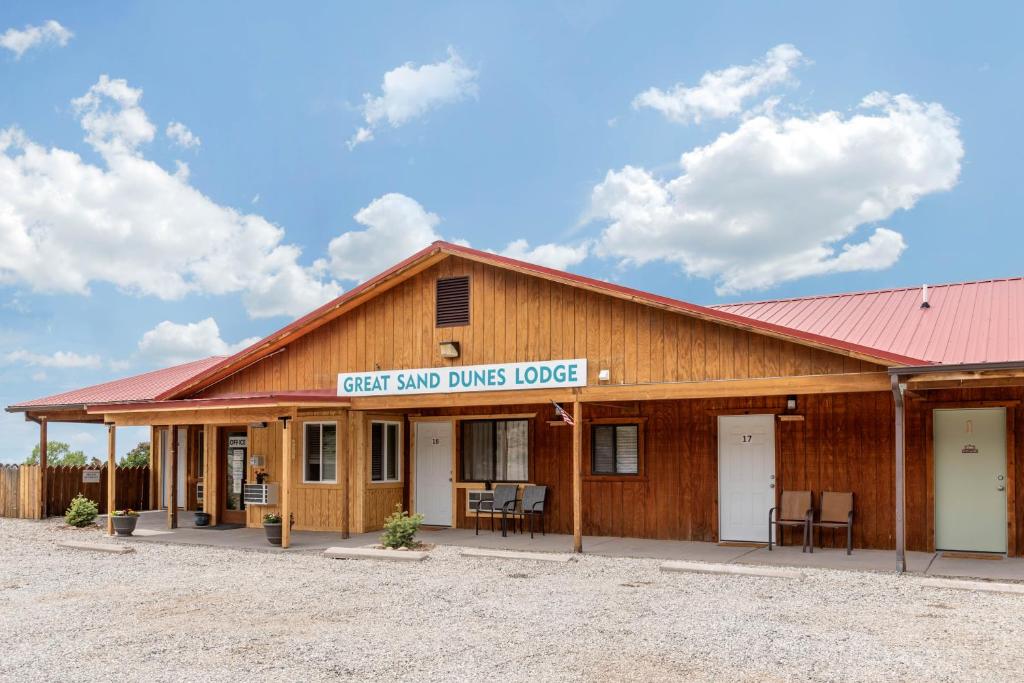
(90, 476)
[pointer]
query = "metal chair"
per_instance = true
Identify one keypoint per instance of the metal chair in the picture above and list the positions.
(836, 513)
(533, 505)
(796, 509)
(503, 501)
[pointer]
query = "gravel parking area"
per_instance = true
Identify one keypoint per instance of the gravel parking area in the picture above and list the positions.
(182, 613)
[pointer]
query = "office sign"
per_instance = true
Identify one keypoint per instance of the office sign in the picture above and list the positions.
(547, 374)
(90, 476)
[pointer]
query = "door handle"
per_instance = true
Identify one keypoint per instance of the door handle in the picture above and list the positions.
(1001, 488)
(772, 485)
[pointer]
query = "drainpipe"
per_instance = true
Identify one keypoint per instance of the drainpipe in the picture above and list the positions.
(901, 555)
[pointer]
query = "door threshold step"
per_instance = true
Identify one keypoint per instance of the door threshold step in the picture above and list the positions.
(964, 555)
(742, 544)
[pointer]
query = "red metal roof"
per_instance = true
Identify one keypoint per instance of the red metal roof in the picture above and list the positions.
(251, 354)
(966, 322)
(255, 398)
(144, 387)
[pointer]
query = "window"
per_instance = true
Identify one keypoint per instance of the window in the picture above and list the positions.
(452, 304)
(201, 451)
(385, 451)
(495, 450)
(615, 449)
(320, 452)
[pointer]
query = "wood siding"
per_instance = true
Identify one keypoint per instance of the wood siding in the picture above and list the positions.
(845, 443)
(516, 317)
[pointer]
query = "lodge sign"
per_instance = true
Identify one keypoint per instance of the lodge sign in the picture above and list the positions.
(549, 374)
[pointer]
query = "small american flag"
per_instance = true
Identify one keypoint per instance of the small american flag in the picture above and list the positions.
(566, 417)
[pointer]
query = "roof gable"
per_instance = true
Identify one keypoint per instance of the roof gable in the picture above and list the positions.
(441, 250)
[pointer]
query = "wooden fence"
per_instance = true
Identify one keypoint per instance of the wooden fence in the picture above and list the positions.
(19, 489)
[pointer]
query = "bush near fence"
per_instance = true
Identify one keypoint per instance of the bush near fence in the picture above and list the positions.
(19, 489)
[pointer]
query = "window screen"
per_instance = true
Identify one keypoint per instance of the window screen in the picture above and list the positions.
(385, 459)
(615, 449)
(321, 452)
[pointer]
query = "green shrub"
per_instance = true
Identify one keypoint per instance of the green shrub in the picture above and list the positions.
(81, 512)
(400, 529)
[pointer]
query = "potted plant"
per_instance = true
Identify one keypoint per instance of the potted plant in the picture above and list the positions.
(202, 518)
(125, 521)
(272, 527)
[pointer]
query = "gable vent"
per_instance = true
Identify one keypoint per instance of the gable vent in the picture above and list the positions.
(453, 301)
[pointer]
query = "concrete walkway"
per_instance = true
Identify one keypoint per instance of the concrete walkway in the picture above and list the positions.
(151, 528)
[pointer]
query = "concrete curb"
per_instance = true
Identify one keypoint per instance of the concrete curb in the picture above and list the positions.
(734, 569)
(984, 586)
(376, 554)
(516, 555)
(96, 547)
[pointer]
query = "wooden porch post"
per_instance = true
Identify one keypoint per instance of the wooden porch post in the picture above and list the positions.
(577, 476)
(901, 541)
(172, 477)
(111, 478)
(43, 512)
(286, 481)
(343, 467)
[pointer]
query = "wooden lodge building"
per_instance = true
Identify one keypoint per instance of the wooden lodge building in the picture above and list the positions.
(434, 380)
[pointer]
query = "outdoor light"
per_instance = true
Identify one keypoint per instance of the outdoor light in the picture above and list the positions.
(604, 375)
(257, 425)
(791, 403)
(450, 349)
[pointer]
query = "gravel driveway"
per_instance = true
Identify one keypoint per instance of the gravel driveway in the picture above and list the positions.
(180, 613)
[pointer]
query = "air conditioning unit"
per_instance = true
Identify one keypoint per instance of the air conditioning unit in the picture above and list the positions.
(260, 494)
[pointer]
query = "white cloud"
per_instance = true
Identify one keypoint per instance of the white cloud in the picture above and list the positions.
(58, 359)
(775, 199)
(50, 33)
(723, 93)
(66, 223)
(172, 343)
(396, 227)
(410, 91)
(180, 134)
(557, 256)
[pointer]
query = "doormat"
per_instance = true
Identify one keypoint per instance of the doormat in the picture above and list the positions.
(972, 556)
(742, 544)
(222, 527)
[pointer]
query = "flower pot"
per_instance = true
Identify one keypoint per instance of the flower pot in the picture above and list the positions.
(202, 519)
(124, 525)
(273, 532)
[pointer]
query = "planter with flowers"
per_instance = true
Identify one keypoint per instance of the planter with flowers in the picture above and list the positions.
(272, 527)
(125, 521)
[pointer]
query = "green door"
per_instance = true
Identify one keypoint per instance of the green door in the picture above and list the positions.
(970, 479)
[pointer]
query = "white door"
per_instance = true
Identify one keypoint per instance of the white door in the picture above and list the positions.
(970, 479)
(434, 472)
(165, 466)
(746, 476)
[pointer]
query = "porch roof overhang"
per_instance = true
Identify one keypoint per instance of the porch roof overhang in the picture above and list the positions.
(960, 375)
(235, 408)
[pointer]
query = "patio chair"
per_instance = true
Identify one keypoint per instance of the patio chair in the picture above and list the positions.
(533, 506)
(795, 510)
(504, 501)
(836, 513)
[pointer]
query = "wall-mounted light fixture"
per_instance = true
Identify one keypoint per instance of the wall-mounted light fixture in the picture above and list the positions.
(604, 375)
(450, 349)
(791, 403)
(257, 425)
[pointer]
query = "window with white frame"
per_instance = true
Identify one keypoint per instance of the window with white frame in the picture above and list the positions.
(385, 451)
(320, 452)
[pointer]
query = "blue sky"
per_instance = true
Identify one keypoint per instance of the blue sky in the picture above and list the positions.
(559, 124)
